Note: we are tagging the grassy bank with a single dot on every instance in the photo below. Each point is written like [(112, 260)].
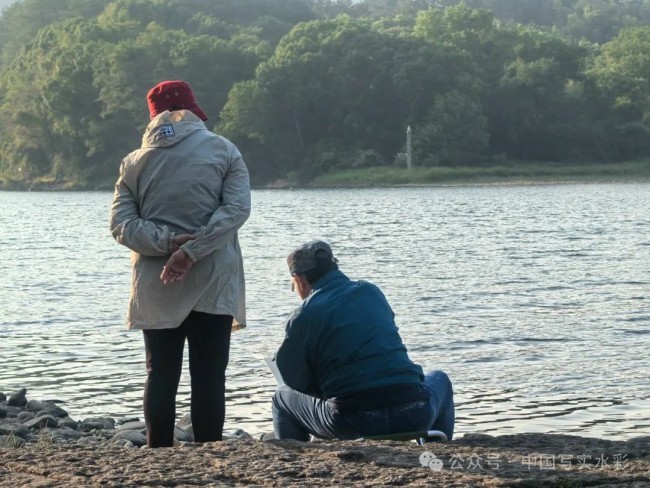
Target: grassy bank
[(505, 173), (49, 183)]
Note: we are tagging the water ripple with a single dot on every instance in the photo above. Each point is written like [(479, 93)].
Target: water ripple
[(533, 299)]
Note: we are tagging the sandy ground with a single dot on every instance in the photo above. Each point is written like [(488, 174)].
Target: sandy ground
[(529, 460)]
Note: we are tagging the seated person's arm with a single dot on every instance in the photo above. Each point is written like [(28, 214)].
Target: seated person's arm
[(293, 359)]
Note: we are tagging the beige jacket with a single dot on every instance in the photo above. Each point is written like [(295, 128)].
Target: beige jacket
[(184, 179)]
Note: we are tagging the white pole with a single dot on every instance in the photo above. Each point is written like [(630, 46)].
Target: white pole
[(408, 147)]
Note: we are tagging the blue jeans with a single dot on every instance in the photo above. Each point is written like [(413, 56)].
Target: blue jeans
[(297, 415)]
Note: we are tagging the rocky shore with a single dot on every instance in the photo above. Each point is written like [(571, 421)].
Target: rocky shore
[(41, 446), (25, 422)]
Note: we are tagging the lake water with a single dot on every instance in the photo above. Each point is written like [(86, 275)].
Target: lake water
[(534, 299)]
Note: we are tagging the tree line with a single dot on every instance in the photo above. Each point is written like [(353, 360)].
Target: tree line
[(306, 87)]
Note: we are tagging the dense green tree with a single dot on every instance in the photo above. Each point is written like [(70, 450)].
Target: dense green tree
[(49, 100), (593, 20), (81, 83), (474, 32), (21, 21), (453, 132), (310, 86), (533, 102), (532, 83), (340, 93), (538, 12), (326, 84), (622, 75)]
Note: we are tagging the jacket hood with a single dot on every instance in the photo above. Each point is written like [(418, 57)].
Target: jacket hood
[(169, 128)]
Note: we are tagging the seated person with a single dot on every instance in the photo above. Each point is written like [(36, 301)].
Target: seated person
[(346, 371)]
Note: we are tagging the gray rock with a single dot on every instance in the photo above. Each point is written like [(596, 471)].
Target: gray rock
[(8, 428), (88, 440), (54, 411), (31, 438), (246, 437), (90, 426), (237, 434), (93, 423), (3, 413), (125, 443), (68, 422), (131, 426), (12, 412), (268, 436), (41, 422), (37, 406), (104, 434), (64, 433), (126, 420), (642, 441), (135, 437), (3, 397), (18, 399), (183, 435), (185, 422), (25, 416), (11, 441)]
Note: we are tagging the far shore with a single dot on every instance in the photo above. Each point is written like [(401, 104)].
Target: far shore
[(62, 186), (391, 176)]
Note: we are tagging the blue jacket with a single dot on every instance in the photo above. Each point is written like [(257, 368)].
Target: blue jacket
[(342, 340)]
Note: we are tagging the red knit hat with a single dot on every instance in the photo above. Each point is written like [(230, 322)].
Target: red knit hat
[(173, 95)]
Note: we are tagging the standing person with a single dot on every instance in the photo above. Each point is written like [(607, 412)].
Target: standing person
[(346, 371), (178, 204)]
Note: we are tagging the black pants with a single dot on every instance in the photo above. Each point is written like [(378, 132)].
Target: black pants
[(208, 338)]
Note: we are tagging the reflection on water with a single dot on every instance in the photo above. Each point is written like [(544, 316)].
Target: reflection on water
[(533, 299)]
